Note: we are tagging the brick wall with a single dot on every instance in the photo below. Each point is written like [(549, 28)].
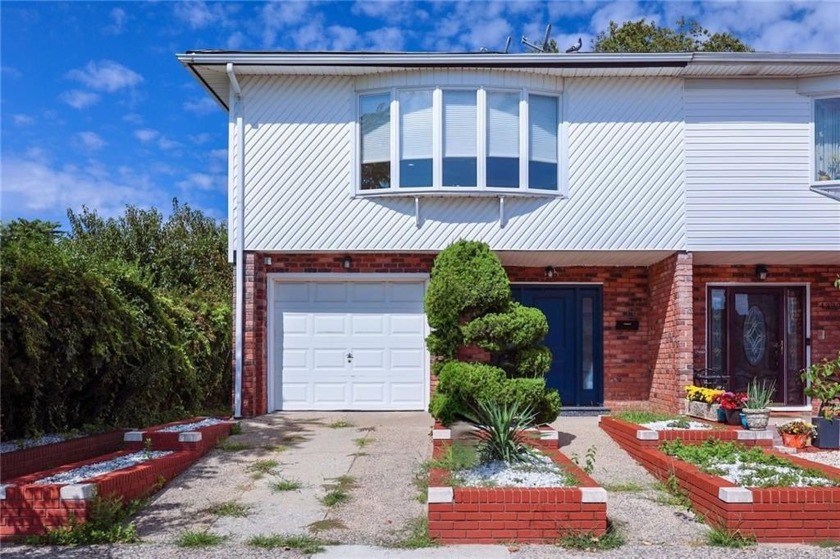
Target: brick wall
[(670, 330), (29, 460)]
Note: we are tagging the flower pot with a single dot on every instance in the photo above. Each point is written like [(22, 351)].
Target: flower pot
[(795, 440), (733, 417), (756, 419), (828, 433), (703, 410), (721, 415)]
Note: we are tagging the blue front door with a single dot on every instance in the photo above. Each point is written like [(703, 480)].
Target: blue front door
[(574, 337)]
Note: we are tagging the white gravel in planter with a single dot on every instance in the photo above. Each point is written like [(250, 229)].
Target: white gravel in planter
[(20, 444), (740, 474), (99, 468), (540, 472), (829, 457), (666, 426), (191, 426)]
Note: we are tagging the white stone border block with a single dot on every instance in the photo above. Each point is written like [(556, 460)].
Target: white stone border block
[(78, 492), (440, 495), (3, 490), (647, 435), (133, 437), (189, 437), (549, 435), (755, 435), (441, 434), (593, 495), (735, 495)]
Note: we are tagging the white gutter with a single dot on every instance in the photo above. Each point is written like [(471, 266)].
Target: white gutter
[(239, 250)]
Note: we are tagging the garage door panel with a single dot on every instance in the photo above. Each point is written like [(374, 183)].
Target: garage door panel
[(370, 324), (333, 360), (329, 292), (374, 293), (405, 324), (296, 359), (369, 392), (375, 358), (407, 358), (405, 392), (329, 324), (330, 392), (295, 393), (294, 323), (408, 292)]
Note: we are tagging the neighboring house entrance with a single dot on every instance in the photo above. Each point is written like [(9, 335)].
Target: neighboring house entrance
[(759, 333), (348, 344), (575, 338)]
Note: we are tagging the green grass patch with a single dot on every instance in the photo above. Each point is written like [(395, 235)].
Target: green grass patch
[(228, 445), (611, 539), (826, 544), (720, 537), (335, 497), (340, 424), (293, 438), (644, 416), (229, 508), (672, 494), (236, 429), (198, 539), (457, 456), (627, 487), (285, 485), (417, 535), (305, 544), (362, 442), (108, 522), (263, 467), (326, 524), (275, 447)]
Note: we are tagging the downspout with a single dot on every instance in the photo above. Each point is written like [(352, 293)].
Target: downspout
[(239, 250)]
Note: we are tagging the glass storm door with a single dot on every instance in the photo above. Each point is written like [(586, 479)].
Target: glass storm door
[(759, 333), (574, 338)]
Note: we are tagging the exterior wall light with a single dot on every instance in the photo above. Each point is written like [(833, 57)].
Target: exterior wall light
[(549, 272), (761, 272), (347, 262)]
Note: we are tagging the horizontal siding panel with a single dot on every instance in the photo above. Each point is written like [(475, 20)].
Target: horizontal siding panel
[(626, 173), (747, 159)]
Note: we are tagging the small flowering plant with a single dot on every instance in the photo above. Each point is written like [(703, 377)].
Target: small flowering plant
[(797, 427), (732, 400), (699, 394)]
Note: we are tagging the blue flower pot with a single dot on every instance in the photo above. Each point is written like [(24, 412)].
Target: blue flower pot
[(721, 415), (743, 420)]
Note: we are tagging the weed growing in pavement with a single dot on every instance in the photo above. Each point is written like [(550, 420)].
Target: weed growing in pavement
[(107, 523), (305, 544), (611, 539), (147, 448), (417, 535), (335, 497), (293, 438), (721, 537), (340, 424), (358, 454), (370, 429), (643, 416), (198, 539), (362, 442), (627, 487), (828, 543), (275, 447), (674, 494), (337, 493), (285, 485), (589, 465), (326, 524), (236, 429), (229, 508), (262, 467), (231, 446)]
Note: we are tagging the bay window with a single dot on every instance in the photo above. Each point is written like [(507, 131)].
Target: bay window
[(459, 139), (827, 139)]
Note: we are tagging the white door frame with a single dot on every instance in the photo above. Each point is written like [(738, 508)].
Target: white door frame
[(276, 278)]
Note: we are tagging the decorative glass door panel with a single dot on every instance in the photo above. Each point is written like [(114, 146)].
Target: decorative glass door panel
[(758, 333)]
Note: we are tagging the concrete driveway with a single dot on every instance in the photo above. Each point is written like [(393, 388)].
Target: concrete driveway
[(370, 457)]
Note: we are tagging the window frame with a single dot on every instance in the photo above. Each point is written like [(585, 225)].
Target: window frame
[(812, 141), (481, 188)]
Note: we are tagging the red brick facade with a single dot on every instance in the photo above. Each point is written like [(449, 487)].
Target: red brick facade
[(647, 366)]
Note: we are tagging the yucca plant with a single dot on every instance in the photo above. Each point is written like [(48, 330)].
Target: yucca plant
[(501, 428), (759, 395)]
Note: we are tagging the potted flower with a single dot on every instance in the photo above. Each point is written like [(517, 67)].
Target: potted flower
[(702, 403), (823, 383), (732, 403), (795, 433), (757, 406)]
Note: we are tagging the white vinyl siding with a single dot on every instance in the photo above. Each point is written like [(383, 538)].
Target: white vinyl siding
[(748, 161)]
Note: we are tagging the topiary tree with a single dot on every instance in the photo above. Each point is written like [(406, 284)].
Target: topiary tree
[(469, 303)]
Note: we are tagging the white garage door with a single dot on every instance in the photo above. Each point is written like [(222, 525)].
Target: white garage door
[(349, 345)]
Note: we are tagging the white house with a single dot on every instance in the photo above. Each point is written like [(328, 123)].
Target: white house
[(668, 212)]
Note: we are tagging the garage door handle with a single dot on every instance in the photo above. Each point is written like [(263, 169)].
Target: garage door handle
[(349, 357)]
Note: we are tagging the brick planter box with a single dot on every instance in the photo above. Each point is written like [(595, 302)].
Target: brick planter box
[(780, 515), (634, 438), (201, 440), (39, 458), (27, 508), (492, 515)]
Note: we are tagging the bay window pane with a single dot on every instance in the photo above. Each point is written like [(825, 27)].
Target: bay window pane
[(542, 139), (375, 121), (503, 139), (459, 138), (827, 139), (416, 138)]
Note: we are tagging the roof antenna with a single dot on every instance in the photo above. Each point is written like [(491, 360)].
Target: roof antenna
[(539, 48), (507, 44)]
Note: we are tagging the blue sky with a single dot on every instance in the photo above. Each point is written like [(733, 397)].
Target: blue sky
[(95, 110)]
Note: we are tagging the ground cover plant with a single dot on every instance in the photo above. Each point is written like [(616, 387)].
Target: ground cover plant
[(109, 521), (644, 416), (747, 467), (306, 544), (198, 539)]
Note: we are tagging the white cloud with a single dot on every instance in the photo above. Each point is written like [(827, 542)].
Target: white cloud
[(166, 143), (221, 153), (118, 19), (146, 134), (133, 118), (201, 106), (106, 75), (11, 71), (202, 138), (90, 140), (235, 41), (199, 14), (275, 16), (22, 119), (200, 181), (79, 99), (385, 39)]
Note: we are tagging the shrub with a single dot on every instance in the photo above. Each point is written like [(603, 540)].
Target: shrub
[(501, 428)]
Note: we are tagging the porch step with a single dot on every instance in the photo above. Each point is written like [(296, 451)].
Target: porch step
[(583, 411)]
